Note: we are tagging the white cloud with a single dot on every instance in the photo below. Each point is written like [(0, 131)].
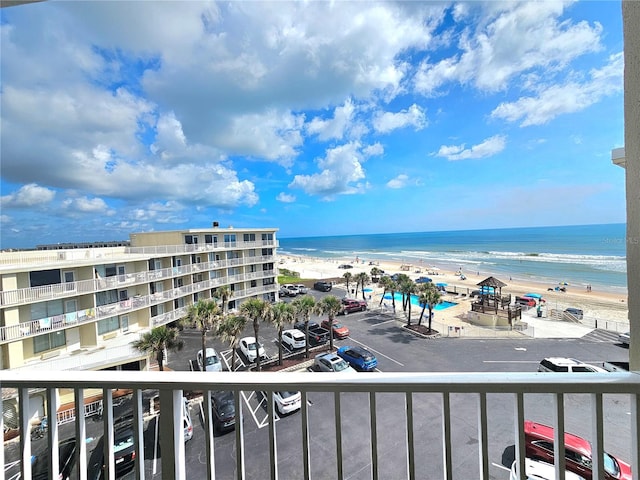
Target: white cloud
[(335, 127), (413, 116), (373, 150), (489, 147), (399, 182), (87, 205), (285, 198), (28, 196), (509, 39), (555, 100), (5, 219), (341, 173)]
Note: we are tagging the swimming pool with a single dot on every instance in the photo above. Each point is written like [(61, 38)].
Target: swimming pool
[(414, 301)]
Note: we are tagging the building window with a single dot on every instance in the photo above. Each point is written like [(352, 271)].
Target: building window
[(42, 343), (249, 237), (267, 251), (46, 309), (267, 237), (44, 277), (188, 239), (254, 283), (230, 238), (108, 325), (106, 298)]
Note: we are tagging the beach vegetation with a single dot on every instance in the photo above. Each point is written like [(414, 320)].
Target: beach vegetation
[(390, 286), (407, 287), (375, 274), (284, 279), (330, 306), (362, 280), (229, 330), (428, 297), (283, 314), (257, 310), (348, 277), (288, 273), (304, 306), (204, 315), (157, 341)]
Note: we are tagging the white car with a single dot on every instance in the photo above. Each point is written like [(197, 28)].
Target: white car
[(623, 338), (302, 288), (287, 402), (570, 365), (251, 349), (537, 470), (293, 339), (211, 362), (292, 290), (330, 362)]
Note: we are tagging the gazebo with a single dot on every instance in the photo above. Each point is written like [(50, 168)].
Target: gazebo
[(493, 302)]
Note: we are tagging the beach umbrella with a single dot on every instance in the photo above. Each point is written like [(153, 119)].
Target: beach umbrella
[(441, 284), (367, 290), (533, 295)]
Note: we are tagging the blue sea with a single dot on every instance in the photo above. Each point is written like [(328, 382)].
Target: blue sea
[(579, 255)]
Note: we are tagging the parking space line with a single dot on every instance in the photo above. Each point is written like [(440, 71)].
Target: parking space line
[(379, 353)]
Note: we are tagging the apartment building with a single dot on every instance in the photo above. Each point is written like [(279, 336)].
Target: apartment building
[(77, 308)]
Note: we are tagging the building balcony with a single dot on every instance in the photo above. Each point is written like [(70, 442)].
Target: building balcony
[(356, 425)]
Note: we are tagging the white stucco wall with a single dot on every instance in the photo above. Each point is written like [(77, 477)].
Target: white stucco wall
[(631, 21)]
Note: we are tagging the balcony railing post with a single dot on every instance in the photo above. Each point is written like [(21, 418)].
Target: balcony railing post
[(558, 436), (483, 447), (273, 450), (338, 422), (446, 435), (109, 435), (519, 433), (597, 437), (240, 472), (207, 405), (138, 430), (52, 432), (171, 438), (25, 432), (411, 463), (81, 430), (305, 435)]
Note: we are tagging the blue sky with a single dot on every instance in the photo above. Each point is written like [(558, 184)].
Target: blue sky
[(317, 118)]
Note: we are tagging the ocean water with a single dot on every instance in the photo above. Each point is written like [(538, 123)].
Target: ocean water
[(578, 255)]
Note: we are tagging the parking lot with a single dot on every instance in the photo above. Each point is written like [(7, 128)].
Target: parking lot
[(399, 351)]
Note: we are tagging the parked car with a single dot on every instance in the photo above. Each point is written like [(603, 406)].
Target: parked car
[(350, 305), (345, 266), (317, 334), (573, 313), (123, 450), (224, 410), (287, 401), (251, 349), (624, 338), (339, 331), (289, 290), (323, 286), (358, 357), (211, 361), (293, 339), (423, 280), (330, 362), (302, 288), (66, 455), (537, 470), (539, 446), (570, 365)]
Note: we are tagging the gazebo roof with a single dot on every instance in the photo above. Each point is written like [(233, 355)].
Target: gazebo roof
[(492, 282)]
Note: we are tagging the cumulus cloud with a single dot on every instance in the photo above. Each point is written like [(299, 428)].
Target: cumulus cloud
[(335, 127), (558, 99), (489, 147), (509, 39), (399, 182), (285, 198), (413, 116), (341, 172), (28, 196), (87, 205)]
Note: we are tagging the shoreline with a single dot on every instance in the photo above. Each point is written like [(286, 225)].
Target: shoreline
[(598, 303)]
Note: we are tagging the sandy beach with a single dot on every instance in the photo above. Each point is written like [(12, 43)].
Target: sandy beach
[(597, 305)]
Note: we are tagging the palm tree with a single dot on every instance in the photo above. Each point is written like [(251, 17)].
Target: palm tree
[(348, 276), (157, 341), (304, 306), (283, 314), (407, 287), (257, 310), (330, 306), (223, 293), (429, 297), (362, 279), (375, 274), (205, 314), (229, 330), (387, 285), (402, 280)]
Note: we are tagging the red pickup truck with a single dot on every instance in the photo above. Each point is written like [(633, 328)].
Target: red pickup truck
[(350, 305)]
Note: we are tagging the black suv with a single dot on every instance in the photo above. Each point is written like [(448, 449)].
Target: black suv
[(224, 411), (323, 286)]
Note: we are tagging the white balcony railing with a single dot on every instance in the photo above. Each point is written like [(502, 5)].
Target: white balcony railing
[(603, 392)]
